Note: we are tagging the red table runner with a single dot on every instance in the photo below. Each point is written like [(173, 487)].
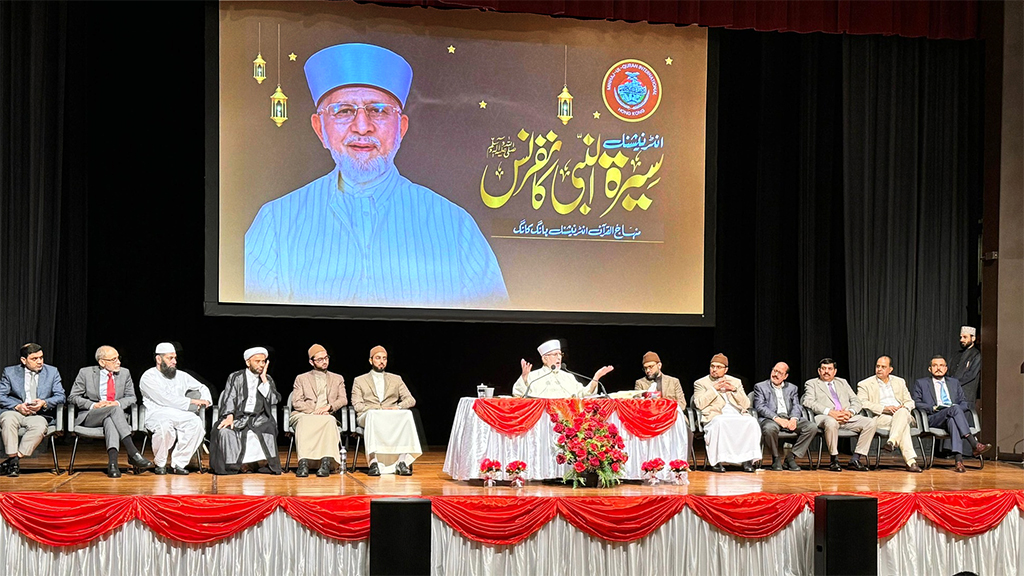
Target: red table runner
[(515, 416)]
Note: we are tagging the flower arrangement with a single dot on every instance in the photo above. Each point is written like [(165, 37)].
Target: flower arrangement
[(651, 469), (514, 472), (489, 470), (679, 469), (588, 444)]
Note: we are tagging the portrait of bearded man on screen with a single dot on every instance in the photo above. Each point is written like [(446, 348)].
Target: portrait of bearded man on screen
[(363, 234)]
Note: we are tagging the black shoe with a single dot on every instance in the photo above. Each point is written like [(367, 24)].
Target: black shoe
[(914, 468), (748, 466), (160, 470), (718, 468), (834, 466), (179, 471), (776, 464), (113, 471), (325, 468), (856, 465), (14, 468), (303, 470), (791, 464), (402, 469), (889, 446), (139, 463), (374, 470)]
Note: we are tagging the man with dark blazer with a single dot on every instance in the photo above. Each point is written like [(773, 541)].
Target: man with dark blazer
[(942, 399), (29, 394), (778, 408), (101, 394)]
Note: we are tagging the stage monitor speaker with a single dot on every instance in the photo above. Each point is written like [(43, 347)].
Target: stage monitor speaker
[(399, 536), (845, 535)]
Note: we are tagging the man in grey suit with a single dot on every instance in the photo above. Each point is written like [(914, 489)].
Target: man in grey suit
[(101, 394), (778, 408), (835, 406), (29, 393)]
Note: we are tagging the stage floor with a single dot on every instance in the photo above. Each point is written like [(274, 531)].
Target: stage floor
[(429, 480)]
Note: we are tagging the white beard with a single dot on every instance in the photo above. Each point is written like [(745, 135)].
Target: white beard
[(364, 171)]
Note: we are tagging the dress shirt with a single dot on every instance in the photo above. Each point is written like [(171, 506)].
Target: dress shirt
[(378, 384), (886, 395), (31, 385), (942, 396), (780, 402)]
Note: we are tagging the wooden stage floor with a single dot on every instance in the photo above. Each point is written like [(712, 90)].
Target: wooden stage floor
[(429, 480)]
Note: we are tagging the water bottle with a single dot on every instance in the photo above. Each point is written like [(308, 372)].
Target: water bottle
[(344, 457)]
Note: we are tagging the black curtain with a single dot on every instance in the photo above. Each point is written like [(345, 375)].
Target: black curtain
[(43, 180), (911, 140)]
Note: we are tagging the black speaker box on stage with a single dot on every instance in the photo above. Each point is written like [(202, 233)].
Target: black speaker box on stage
[(399, 536), (845, 535)]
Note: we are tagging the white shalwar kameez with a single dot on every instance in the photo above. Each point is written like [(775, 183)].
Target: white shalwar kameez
[(732, 437), (168, 416)]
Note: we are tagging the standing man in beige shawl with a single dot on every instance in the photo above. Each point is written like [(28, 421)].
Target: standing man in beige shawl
[(391, 432), (317, 398)]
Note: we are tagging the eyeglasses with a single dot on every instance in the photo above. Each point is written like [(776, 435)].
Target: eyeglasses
[(553, 354), (114, 359), (377, 112), (321, 359)]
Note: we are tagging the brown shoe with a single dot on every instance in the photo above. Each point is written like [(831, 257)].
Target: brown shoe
[(980, 448), (959, 468), (889, 447), (914, 468)]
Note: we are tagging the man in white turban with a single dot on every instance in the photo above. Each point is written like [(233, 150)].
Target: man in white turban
[(170, 412), (550, 380), (968, 364), (246, 435)]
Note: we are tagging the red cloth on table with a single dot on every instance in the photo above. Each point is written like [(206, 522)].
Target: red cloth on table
[(511, 416)]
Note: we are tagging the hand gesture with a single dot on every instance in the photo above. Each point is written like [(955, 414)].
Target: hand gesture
[(199, 402), (263, 373), (526, 366), (226, 422), (602, 371)]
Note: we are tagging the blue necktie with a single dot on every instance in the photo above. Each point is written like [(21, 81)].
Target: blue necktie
[(944, 400)]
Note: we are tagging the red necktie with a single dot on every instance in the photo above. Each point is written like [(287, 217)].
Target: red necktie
[(110, 385)]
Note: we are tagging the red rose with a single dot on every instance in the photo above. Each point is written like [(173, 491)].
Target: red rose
[(560, 458), (615, 466), (581, 453), (554, 418), (589, 434), (579, 467), (613, 429), (561, 439), (559, 427), (594, 461)]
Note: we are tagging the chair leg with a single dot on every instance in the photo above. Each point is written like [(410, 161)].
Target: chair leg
[(288, 461), (821, 442), (878, 450), (74, 450), (145, 438), (53, 450), (355, 455)]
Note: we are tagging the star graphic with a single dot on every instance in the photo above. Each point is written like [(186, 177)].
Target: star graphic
[(668, 60), (483, 104), (597, 114), (292, 57), (451, 49)]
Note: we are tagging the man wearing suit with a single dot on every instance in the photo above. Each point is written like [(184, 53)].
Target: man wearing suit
[(657, 381), (317, 399), (102, 394), (29, 395), (886, 396), (730, 434), (778, 408), (377, 390), (835, 406), (942, 399)]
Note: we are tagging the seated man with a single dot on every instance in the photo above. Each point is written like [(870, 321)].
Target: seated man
[(551, 381), (835, 406), (102, 394), (170, 413), (657, 381), (317, 399), (942, 399), (29, 394), (778, 408), (247, 431), (391, 434), (886, 396), (730, 434)]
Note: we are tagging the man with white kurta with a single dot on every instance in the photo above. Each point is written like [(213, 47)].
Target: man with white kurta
[(887, 397), (730, 433), (835, 406), (382, 402), (550, 381), (170, 414), (247, 431), (317, 398)]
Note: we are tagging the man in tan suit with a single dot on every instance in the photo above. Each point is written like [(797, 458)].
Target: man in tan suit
[(378, 390), (317, 398), (835, 406), (657, 381), (731, 434), (887, 397)]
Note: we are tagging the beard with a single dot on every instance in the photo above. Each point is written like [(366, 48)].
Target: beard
[(653, 377), (255, 370), (379, 370), (364, 171), (966, 345), (168, 371)]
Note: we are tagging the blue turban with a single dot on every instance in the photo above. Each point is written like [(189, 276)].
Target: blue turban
[(362, 64)]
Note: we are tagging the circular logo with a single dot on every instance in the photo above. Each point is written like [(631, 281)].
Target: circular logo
[(631, 90)]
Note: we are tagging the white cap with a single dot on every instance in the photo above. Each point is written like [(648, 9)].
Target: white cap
[(165, 348), (254, 351), (549, 346), (968, 330)]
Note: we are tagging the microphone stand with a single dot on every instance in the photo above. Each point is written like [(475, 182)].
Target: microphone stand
[(526, 394), (604, 392)]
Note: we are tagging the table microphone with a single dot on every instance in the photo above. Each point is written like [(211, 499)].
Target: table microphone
[(604, 392)]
